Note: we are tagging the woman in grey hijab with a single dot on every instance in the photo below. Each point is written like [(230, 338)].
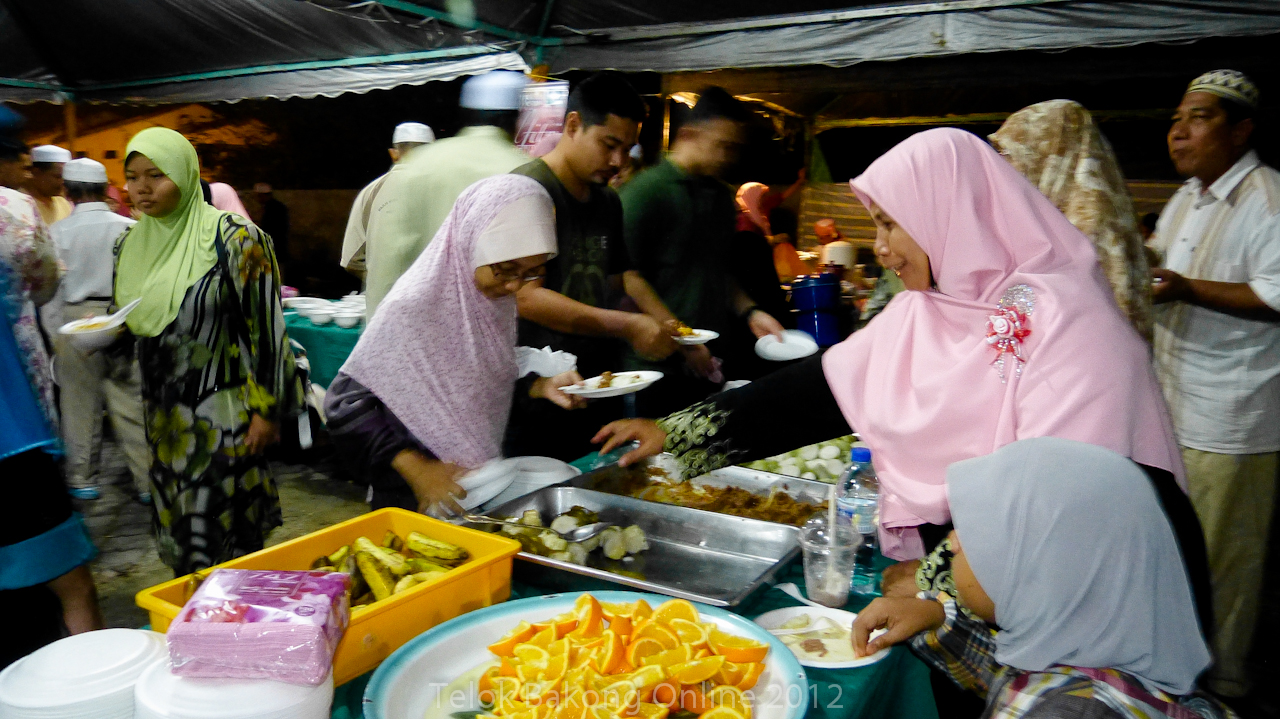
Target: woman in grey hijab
[(1074, 600)]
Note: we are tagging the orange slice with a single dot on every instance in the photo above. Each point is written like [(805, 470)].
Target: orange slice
[(675, 609), (562, 624), (667, 693), (752, 676), (590, 616), (646, 678), (658, 631), (507, 668), (689, 632), (693, 700), (670, 657), (652, 711), (643, 647), (570, 710), (486, 680), (739, 650), (532, 656), (732, 698), (556, 668), (621, 625), (698, 670), (610, 655), (521, 634), (546, 634), (621, 697), (724, 713), (559, 646)]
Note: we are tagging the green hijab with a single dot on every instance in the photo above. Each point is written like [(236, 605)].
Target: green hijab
[(162, 257)]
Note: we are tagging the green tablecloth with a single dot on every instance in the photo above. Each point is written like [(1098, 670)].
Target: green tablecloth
[(327, 345)]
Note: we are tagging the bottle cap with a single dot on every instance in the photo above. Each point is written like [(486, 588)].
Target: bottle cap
[(859, 454)]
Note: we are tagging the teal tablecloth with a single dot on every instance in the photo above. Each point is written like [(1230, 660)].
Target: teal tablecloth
[(896, 687), (327, 345)]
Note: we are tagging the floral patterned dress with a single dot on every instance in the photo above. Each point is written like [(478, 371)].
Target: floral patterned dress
[(224, 358)]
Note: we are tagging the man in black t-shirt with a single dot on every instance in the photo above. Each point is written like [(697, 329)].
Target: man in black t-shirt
[(572, 308)]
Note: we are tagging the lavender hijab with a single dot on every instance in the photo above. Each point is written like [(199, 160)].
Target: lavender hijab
[(1070, 542), (438, 352)]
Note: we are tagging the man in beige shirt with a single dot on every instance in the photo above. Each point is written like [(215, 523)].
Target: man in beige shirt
[(46, 182), (420, 191)]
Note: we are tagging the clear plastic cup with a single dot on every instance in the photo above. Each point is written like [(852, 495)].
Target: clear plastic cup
[(829, 561)]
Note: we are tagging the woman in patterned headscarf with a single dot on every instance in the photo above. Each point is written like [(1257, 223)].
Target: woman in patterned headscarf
[(1058, 147)]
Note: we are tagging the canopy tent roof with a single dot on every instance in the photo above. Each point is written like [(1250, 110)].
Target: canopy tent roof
[(157, 51)]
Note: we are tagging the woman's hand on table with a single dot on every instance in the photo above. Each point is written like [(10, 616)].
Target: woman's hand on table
[(899, 580), (645, 431), (433, 482), (548, 388), (262, 433), (900, 617)]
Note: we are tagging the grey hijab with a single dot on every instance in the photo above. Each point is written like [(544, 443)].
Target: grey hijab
[(1071, 544)]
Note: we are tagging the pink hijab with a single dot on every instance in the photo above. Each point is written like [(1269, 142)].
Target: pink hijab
[(439, 353), (919, 382), (751, 204), (226, 198)]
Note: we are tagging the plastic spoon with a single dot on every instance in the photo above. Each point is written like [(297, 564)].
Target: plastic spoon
[(794, 591)]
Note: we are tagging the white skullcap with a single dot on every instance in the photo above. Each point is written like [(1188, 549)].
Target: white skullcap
[(496, 90), (50, 153), (636, 153), (84, 170), (412, 132)]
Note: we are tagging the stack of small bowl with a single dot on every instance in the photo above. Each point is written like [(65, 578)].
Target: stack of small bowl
[(84, 676), (349, 311)]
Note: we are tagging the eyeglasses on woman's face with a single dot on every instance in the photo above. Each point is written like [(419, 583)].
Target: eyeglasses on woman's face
[(510, 272)]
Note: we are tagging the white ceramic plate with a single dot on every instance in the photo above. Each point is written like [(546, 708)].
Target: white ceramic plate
[(413, 682), (775, 619), (795, 344), (623, 383), (699, 337)]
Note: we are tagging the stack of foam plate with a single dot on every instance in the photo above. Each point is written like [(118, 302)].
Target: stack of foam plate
[(85, 676), (534, 474), (160, 694)]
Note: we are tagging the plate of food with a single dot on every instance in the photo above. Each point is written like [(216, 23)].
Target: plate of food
[(819, 637), (685, 335), (613, 384), (95, 333), (615, 654)]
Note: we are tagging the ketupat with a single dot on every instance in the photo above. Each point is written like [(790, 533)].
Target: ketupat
[(434, 549)]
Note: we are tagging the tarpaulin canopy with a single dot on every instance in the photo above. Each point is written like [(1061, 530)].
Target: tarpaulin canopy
[(153, 51)]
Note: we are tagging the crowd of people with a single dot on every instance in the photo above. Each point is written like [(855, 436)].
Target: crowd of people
[(1071, 412)]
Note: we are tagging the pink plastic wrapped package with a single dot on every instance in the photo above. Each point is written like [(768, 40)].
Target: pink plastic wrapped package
[(251, 624)]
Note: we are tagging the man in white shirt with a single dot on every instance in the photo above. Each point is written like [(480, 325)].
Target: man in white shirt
[(45, 184), (406, 136), (1217, 345), (90, 383)]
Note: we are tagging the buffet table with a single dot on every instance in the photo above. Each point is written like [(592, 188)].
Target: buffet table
[(327, 345), (894, 688)]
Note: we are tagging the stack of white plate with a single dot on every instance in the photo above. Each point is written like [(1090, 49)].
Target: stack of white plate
[(85, 676), (534, 474), (160, 694)]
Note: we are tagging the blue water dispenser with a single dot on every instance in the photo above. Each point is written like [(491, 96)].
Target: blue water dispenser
[(817, 301)]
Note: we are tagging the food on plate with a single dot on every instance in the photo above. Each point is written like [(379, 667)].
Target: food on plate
[(381, 571), (653, 484), (544, 540), (826, 641), (89, 324), (607, 661), (679, 329), (824, 461), (606, 380)]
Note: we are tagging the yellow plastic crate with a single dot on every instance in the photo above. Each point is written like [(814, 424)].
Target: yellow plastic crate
[(382, 627)]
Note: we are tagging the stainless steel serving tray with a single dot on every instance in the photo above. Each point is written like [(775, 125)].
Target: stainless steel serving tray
[(611, 477), (706, 557)]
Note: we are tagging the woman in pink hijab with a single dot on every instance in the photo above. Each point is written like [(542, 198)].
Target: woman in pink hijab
[(1007, 331), (425, 394)]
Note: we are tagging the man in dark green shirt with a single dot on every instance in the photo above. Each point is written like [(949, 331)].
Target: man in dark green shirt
[(679, 218), (571, 309)]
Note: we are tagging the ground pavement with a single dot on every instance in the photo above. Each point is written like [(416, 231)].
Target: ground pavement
[(121, 527)]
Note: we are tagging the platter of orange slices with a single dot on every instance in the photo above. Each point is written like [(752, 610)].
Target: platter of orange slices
[(603, 655)]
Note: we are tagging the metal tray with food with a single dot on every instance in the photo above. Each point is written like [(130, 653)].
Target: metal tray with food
[(735, 491), (712, 558)]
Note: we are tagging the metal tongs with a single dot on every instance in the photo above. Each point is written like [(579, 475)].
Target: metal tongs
[(577, 534)]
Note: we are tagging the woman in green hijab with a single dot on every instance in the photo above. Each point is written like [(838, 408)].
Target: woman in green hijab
[(218, 374)]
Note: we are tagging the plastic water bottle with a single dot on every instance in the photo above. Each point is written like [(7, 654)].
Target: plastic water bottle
[(856, 503)]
